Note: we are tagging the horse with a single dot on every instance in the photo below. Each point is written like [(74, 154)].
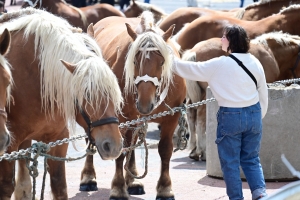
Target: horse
[(252, 12), (78, 17), (212, 26), (135, 9), (140, 54), (278, 52), (60, 78), (5, 88)]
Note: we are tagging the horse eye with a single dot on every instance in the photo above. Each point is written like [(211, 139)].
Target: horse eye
[(162, 63)]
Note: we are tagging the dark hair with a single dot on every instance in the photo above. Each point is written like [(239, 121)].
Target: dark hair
[(238, 39)]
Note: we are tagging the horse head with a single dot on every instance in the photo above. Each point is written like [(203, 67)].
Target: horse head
[(148, 64), (5, 83)]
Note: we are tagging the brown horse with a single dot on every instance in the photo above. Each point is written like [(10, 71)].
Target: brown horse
[(139, 50), (212, 26), (78, 17), (5, 88), (252, 12), (278, 53), (137, 8), (49, 95)]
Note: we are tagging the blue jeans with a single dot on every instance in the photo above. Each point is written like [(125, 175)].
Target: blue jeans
[(239, 135)]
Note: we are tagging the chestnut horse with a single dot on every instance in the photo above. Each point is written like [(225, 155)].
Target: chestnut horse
[(252, 12), (78, 17), (278, 53), (5, 88), (212, 26), (49, 95), (140, 54), (137, 8)]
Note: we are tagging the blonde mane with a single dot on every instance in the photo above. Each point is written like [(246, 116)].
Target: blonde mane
[(7, 67), (281, 38), (149, 38), (150, 7), (55, 39), (288, 9)]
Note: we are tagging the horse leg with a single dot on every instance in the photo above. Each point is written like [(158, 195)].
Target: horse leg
[(192, 142), (88, 175), (7, 178), (135, 187), (165, 150), (118, 186), (57, 169), (201, 132), (23, 182)]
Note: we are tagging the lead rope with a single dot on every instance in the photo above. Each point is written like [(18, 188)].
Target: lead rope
[(141, 132)]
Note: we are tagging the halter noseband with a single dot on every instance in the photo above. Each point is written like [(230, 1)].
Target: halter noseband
[(100, 122), (34, 4)]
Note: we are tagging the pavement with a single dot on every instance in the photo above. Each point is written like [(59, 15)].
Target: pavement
[(189, 177)]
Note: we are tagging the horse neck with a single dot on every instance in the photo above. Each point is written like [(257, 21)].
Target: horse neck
[(259, 11), (279, 22), (286, 57)]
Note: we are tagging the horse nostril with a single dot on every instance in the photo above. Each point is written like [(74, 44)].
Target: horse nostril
[(152, 107), (106, 146)]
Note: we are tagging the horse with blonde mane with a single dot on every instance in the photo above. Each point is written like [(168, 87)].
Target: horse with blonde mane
[(135, 9), (252, 12), (5, 88), (78, 17), (141, 54), (60, 78), (208, 27), (279, 54)]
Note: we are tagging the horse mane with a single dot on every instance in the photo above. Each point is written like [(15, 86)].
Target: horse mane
[(290, 8), (149, 7), (7, 67), (279, 37), (149, 37), (92, 80)]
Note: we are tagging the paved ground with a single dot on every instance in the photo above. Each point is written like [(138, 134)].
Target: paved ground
[(189, 178)]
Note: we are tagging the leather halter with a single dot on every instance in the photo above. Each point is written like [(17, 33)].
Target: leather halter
[(296, 64), (100, 122), (3, 113)]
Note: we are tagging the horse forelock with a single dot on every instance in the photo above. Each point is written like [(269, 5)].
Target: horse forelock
[(290, 8), (148, 39), (7, 67), (93, 79), (279, 37)]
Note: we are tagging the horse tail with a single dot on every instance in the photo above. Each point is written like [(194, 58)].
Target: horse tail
[(193, 88)]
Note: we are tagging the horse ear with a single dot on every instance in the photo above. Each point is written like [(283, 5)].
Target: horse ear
[(69, 66), (90, 30), (133, 2), (131, 32), (4, 42), (168, 33)]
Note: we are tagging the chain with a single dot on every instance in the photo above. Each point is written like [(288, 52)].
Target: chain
[(182, 131), (15, 155)]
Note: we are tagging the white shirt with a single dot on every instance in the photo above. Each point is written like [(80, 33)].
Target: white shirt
[(229, 83)]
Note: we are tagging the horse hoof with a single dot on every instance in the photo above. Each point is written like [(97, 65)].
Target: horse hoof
[(88, 187), (136, 190), (194, 157), (165, 198), (118, 198)]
